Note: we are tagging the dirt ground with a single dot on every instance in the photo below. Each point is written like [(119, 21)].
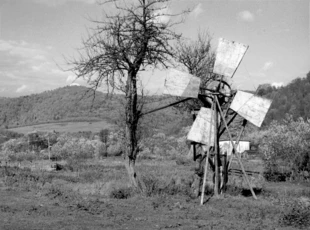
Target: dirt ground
[(39, 205)]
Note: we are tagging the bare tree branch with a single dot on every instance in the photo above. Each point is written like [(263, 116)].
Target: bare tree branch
[(121, 45)]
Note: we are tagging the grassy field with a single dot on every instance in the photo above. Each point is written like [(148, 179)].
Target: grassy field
[(70, 127), (94, 194)]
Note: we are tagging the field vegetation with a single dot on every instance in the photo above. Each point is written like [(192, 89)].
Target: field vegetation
[(63, 151), (85, 184)]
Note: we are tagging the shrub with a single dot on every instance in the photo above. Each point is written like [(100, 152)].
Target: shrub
[(104, 135), (121, 193), (73, 147), (101, 151), (286, 144), (152, 186), (115, 149), (297, 216), (15, 145)]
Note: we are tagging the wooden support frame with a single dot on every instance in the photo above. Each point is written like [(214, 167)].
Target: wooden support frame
[(244, 123), (164, 107), (207, 160), (234, 147)]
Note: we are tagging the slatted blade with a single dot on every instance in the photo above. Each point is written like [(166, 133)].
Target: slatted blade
[(251, 107), (181, 84), (228, 57)]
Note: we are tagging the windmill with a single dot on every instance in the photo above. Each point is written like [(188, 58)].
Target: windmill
[(219, 101)]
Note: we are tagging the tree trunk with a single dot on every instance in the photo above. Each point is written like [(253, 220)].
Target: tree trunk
[(130, 166), (132, 117)]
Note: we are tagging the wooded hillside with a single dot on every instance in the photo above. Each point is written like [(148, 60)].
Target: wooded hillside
[(293, 99), (73, 103)]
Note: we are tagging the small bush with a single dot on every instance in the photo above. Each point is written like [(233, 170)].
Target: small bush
[(275, 176), (101, 151), (121, 193), (115, 149), (152, 186), (297, 216)]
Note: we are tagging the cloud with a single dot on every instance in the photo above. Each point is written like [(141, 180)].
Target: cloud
[(71, 78), (268, 65), (21, 89), (277, 84), (246, 16), (74, 84), (197, 10), (29, 64)]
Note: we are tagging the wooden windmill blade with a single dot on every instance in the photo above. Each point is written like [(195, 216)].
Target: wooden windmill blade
[(181, 84), (251, 107), (228, 57), (202, 127)]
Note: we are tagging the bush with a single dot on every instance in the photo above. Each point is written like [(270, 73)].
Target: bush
[(286, 144), (15, 145), (121, 193), (115, 149), (73, 147), (152, 186), (101, 151), (297, 216)]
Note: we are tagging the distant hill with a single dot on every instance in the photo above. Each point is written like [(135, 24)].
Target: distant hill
[(71, 102), (293, 99), (75, 103)]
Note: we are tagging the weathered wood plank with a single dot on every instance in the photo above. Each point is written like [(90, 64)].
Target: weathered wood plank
[(200, 129), (181, 84), (228, 56), (251, 107)]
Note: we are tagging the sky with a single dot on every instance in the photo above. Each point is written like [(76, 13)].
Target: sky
[(38, 36)]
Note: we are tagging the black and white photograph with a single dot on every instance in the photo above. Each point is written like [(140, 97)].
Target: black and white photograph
[(154, 114)]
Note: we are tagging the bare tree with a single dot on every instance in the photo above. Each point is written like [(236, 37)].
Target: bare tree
[(123, 44), (197, 57)]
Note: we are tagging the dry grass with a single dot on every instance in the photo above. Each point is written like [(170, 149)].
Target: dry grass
[(167, 192)]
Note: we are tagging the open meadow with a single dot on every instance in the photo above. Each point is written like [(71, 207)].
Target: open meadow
[(65, 126), (95, 194), (80, 182)]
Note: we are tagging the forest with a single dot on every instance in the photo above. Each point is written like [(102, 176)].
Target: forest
[(293, 99)]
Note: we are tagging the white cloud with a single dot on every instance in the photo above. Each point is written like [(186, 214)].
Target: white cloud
[(246, 16), (29, 64), (197, 10), (74, 84), (277, 84), (21, 89), (71, 78), (268, 65)]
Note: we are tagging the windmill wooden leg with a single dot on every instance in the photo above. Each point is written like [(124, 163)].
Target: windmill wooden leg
[(217, 179), (237, 142), (234, 147), (208, 153), (194, 151), (205, 177), (225, 172)]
